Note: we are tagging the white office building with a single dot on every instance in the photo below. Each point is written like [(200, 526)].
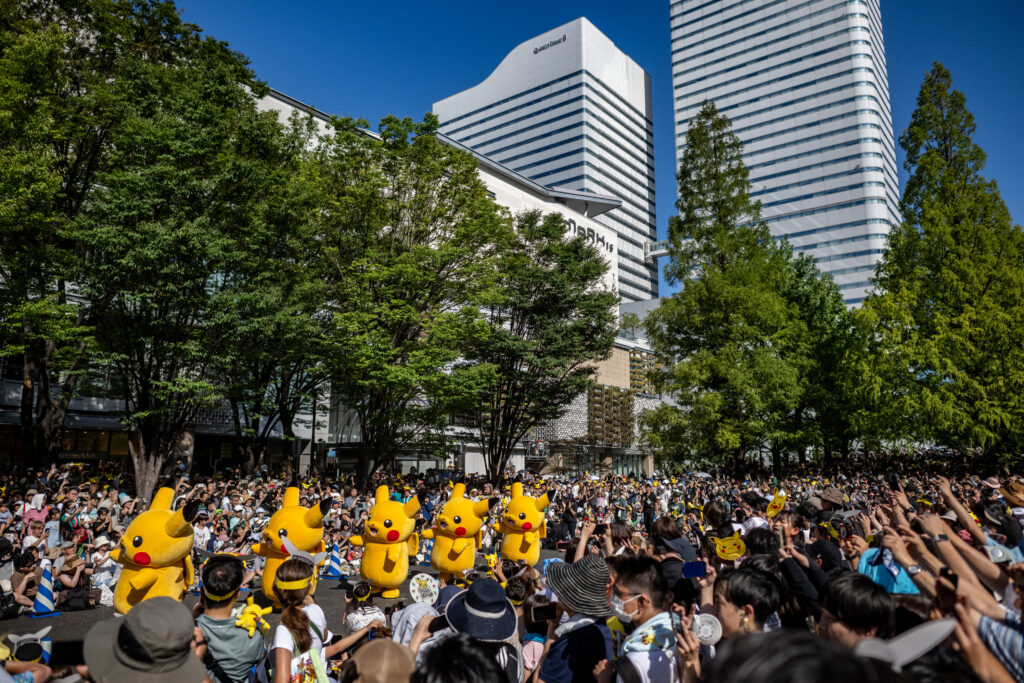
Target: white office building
[(572, 112), (804, 83)]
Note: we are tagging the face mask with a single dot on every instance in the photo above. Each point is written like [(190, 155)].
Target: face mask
[(618, 606)]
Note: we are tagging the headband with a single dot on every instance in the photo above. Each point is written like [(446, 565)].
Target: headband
[(218, 598), (312, 560), (293, 585)]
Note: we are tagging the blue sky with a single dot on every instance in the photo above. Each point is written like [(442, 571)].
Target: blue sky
[(367, 60)]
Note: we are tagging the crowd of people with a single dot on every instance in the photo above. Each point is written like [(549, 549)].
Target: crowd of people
[(876, 567)]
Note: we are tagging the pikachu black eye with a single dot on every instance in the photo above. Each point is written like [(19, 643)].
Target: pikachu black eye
[(387, 523), (282, 532), (137, 541), (522, 515), (458, 519)]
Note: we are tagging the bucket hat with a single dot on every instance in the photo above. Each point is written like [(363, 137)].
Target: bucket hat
[(380, 661), (581, 585), (151, 644), (482, 611)]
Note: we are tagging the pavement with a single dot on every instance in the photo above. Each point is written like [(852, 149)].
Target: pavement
[(74, 625)]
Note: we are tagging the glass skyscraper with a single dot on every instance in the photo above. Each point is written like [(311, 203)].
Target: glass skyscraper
[(804, 83), (570, 110)]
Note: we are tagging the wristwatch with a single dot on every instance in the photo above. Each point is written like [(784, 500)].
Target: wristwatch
[(941, 537), (914, 569)]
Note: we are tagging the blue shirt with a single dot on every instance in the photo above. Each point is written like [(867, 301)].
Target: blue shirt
[(574, 655), (880, 574)]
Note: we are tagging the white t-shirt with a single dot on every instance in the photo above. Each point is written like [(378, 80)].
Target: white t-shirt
[(103, 572), (283, 637)]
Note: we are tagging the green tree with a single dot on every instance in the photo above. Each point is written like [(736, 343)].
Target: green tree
[(166, 220), (551, 320), (270, 333), (947, 353), (58, 100), (728, 340), (409, 241), (831, 345)]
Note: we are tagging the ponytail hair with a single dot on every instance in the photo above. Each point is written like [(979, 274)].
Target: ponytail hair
[(292, 599)]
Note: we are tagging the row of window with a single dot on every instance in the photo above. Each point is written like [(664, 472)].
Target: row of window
[(852, 254), (721, 22), (643, 228), (844, 240), (823, 193), (812, 69), (762, 44), (824, 209), (592, 142), (683, 123), (575, 87), (839, 226), (740, 30), (816, 123), (581, 72), (771, 55), (852, 269), (811, 138), (854, 285), (617, 192), (811, 56), (830, 162), (819, 179), (646, 150), (793, 88)]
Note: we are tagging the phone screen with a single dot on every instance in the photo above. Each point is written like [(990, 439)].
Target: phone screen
[(544, 612)]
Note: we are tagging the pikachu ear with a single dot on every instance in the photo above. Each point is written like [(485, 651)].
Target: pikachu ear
[(459, 491), (381, 495), (517, 489), (291, 496), (412, 506), (180, 523), (163, 499), (481, 507), (314, 516), (541, 502)]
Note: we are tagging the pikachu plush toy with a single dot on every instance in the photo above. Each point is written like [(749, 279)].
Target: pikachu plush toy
[(456, 533), (155, 551), (522, 526), (388, 540), (303, 526)]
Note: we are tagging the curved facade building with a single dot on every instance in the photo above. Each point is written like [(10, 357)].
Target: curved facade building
[(804, 83), (570, 110)]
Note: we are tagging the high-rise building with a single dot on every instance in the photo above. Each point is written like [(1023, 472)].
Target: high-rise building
[(570, 110), (804, 83)]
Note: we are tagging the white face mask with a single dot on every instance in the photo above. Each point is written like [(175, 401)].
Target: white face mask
[(618, 606)]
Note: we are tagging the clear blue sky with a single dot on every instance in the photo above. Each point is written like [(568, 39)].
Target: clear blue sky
[(367, 60)]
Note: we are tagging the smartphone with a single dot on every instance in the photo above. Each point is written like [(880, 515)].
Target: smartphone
[(893, 480), (438, 624), (694, 570), (544, 612), (600, 528), (67, 653), (782, 536)]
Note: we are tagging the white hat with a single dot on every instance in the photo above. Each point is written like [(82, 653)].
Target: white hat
[(101, 540)]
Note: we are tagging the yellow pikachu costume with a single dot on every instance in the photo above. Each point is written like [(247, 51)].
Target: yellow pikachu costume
[(389, 540), (456, 533), (303, 526), (156, 553), (522, 526)]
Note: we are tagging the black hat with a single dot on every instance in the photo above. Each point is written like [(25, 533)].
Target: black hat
[(581, 585), (483, 612)]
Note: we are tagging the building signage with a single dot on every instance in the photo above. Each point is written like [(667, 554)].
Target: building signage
[(589, 234), (550, 43)]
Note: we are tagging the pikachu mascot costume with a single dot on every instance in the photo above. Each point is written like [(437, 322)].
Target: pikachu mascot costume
[(155, 551), (522, 526), (388, 540), (456, 533), (302, 526)]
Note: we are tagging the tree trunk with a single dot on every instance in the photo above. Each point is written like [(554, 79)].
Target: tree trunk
[(776, 460), (27, 414), (147, 468)]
